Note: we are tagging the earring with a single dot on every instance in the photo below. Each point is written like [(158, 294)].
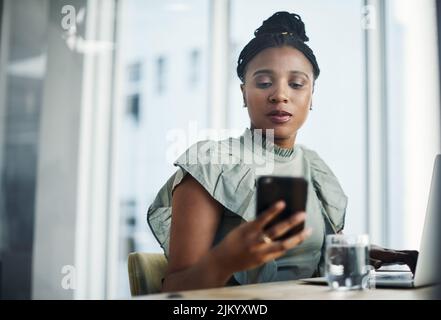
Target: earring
[(310, 108), (244, 105)]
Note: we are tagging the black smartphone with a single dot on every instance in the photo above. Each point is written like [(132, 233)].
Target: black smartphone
[(292, 190)]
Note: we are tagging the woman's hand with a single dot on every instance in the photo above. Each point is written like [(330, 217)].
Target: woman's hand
[(249, 246), (380, 256)]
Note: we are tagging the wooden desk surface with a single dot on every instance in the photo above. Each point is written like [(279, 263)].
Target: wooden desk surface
[(295, 290)]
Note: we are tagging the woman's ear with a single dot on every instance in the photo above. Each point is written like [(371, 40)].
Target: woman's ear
[(242, 88)]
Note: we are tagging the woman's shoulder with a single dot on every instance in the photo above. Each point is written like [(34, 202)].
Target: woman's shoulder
[(212, 152), (218, 167)]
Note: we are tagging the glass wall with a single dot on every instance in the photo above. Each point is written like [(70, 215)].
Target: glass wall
[(23, 66), (163, 58), (413, 114), (93, 116)]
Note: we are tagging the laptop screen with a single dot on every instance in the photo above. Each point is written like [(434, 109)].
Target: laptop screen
[(427, 266)]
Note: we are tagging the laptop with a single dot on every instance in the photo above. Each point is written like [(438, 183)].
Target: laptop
[(426, 272)]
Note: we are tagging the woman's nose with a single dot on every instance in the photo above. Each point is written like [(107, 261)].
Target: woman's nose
[(279, 95)]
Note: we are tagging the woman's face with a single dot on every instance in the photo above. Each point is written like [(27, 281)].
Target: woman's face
[(278, 92)]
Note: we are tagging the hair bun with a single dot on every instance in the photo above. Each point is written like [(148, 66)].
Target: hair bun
[(282, 22)]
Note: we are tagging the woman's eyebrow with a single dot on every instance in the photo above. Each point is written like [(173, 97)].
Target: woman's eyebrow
[(300, 72), (269, 71), (263, 71)]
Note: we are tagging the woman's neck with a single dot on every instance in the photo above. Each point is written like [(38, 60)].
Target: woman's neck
[(285, 143)]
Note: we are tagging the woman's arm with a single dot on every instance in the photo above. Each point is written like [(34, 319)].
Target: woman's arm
[(195, 264), (195, 219)]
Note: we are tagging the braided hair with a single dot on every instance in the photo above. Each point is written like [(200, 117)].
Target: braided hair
[(281, 29)]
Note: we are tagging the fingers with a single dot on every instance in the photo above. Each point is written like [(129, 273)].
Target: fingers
[(281, 246), (296, 239), (380, 256), (264, 244), (283, 227), (269, 214), (412, 256), (375, 263), (387, 256)]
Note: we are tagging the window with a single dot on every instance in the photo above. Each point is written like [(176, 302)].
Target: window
[(171, 39), (92, 118), (412, 118), (133, 107), (23, 54), (195, 68), (338, 100), (161, 79), (134, 72)]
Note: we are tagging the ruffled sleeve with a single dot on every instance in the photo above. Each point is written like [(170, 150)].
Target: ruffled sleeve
[(159, 215), (328, 190), (223, 175)]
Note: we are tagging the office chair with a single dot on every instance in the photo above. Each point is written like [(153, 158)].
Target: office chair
[(146, 271)]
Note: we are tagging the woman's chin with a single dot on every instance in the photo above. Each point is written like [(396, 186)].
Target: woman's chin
[(280, 132)]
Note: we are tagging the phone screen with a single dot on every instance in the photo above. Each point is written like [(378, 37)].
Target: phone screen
[(292, 190)]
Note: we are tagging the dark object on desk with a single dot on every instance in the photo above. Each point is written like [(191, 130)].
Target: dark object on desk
[(293, 191)]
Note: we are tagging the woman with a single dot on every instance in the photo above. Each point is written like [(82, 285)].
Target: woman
[(204, 217)]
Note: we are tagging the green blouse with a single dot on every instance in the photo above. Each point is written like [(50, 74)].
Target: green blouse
[(228, 170)]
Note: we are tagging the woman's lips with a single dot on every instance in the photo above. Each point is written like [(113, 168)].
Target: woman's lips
[(279, 118)]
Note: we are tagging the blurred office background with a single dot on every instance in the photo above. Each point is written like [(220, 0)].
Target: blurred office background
[(94, 93)]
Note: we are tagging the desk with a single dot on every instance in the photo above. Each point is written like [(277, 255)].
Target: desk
[(295, 290)]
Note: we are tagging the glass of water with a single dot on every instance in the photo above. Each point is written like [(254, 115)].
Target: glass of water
[(347, 262)]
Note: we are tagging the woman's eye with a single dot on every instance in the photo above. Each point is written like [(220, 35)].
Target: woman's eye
[(296, 85), (263, 84)]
